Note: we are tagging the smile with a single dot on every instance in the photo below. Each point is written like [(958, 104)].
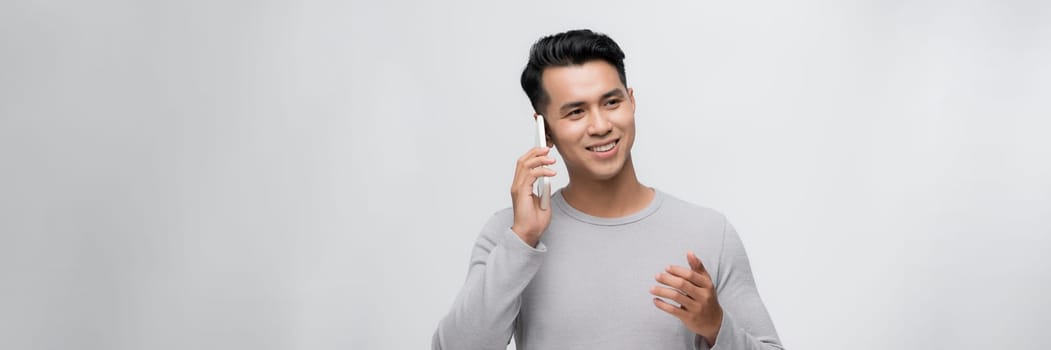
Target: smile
[(603, 148)]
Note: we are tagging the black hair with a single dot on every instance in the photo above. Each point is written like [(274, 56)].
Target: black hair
[(574, 47)]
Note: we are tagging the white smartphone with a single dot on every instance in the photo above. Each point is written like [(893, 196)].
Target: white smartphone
[(543, 183)]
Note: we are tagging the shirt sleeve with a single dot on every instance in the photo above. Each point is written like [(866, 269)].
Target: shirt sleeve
[(746, 323), (484, 312)]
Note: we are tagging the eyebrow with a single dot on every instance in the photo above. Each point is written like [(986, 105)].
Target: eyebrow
[(616, 92)]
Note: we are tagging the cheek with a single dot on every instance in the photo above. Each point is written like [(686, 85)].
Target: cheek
[(566, 134), (626, 121)]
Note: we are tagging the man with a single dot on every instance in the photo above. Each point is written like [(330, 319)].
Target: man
[(602, 268)]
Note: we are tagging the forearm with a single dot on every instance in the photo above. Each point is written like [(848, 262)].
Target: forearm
[(482, 317), (733, 335), (746, 323)]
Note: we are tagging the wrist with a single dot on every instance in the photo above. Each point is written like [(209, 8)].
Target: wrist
[(531, 240), (713, 334)]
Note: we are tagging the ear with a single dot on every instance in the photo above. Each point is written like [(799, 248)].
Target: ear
[(631, 96), (547, 130)]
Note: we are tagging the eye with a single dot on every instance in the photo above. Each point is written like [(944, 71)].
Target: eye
[(613, 102), (575, 112)]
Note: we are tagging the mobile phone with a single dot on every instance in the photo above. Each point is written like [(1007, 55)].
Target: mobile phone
[(543, 183)]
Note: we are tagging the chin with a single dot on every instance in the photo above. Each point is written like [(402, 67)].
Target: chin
[(606, 172)]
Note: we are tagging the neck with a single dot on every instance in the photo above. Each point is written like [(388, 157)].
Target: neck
[(618, 196)]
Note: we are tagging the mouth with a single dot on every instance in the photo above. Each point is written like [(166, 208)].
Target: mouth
[(603, 147)]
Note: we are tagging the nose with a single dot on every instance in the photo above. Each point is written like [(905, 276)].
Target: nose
[(599, 124)]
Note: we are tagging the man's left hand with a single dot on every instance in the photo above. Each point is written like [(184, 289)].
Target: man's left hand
[(692, 288)]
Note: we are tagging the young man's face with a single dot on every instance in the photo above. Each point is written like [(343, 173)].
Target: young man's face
[(590, 117)]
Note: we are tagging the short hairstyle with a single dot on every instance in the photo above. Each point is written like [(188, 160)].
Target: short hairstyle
[(574, 47)]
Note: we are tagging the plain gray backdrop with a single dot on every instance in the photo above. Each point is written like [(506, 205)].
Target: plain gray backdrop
[(313, 174)]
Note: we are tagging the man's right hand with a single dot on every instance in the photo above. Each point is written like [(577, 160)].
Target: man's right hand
[(530, 220)]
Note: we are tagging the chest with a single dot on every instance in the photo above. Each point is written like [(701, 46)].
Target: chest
[(593, 287)]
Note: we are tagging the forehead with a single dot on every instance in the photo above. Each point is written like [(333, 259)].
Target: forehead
[(582, 82)]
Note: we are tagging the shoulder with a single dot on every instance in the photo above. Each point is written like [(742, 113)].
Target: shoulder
[(682, 210)]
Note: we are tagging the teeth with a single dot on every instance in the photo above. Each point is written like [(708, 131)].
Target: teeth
[(603, 148)]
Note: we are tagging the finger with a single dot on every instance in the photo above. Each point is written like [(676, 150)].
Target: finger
[(677, 296), (544, 214), (695, 263), (524, 184), (533, 152), (689, 275), (537, 172), (537, 161), (669, 308), (523, 168), (531, 159), (691, 290)]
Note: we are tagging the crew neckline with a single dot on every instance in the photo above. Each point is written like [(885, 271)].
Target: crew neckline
[(560, 202)]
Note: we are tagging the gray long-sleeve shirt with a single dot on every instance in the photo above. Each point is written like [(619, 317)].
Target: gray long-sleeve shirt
[(586, 284)]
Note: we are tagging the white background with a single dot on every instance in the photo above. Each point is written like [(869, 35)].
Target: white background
[(313, 174)]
